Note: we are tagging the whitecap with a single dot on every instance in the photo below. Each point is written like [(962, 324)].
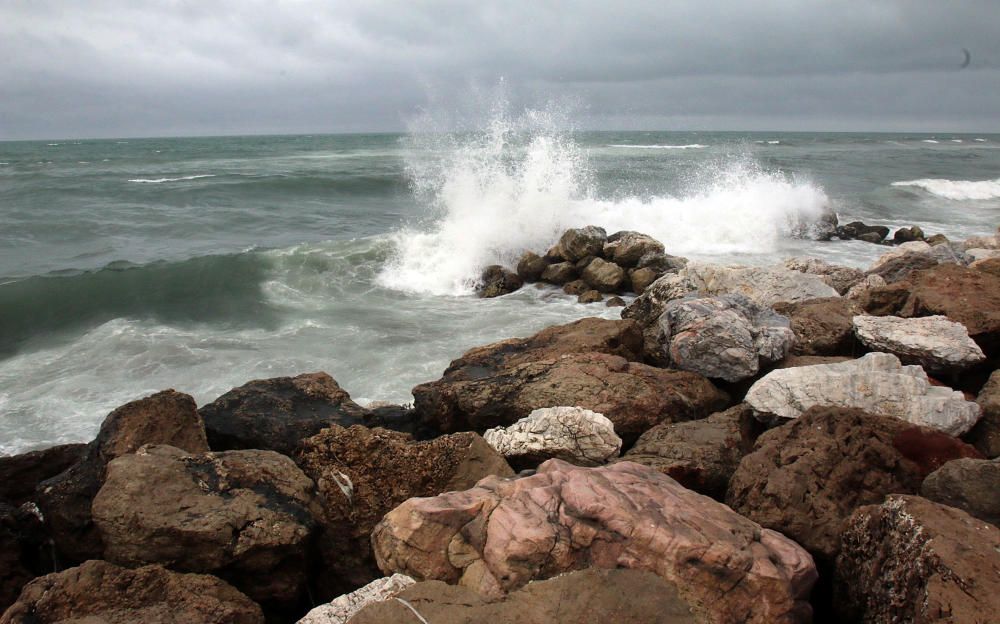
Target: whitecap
[(161, 180), (665, 147), (956, 189), (773, 142), (929, 141), (956, 140), (979, 140)]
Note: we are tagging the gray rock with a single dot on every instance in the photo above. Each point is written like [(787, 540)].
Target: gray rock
[(727, 337), (604, 276), (661, 262), (341, 609), (933, 342), (900, 251), (579, 436), (972, 485), (841, 278), (626, 248), (578, 243), (876, 383), (985, 436)]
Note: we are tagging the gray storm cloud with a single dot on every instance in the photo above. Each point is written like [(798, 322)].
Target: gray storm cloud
[(116, 68)]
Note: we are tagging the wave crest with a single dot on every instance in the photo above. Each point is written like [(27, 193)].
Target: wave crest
[(956, 189), (162, 180)]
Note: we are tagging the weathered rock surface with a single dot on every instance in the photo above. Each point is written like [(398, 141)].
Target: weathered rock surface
[(166, 417), (530, 266), (701, 455), (343, 608), (642, 278), (897, 267), (559, 273), (500, 535), (805, 478), (633, 396), (862, 288), (908, 234), (578, 243), (912, 560), (496, 281), (857, 229), (840, 278), (726, 337), (933, 342), (573, 434), (361, 474), (985, 436), (972, 485), (590, 596), (876, 383), (915, 247), (275, 414), (590, 296), (821, 326), (661, 263), (576, 287), (626, 248), (604, 276), (245, 515), (21, 474), (99, 592)]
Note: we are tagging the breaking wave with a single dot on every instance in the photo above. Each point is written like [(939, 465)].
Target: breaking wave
[(956, 189), (180, 179)]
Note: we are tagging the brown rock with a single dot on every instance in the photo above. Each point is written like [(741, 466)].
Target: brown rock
[(822, 326), (701, 455), (364, 473), (912, 560), (900, 267), (24, 551), (245, 515), (167, 417), (937, 239), (972, 485), (985, 435), (576, 287), (642, 278), (102, 593), (604, 276), (805, 478), (501, 534), (908, 234), (531, 266), (590, 296), (559, 273), (626, 248), (496, 281), (21, 474), (633, 396), (578, 243), (590, 596), (615, 302), (275, 414)]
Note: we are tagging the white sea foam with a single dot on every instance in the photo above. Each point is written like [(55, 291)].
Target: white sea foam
[(957, 189), (979, 140), (161, 180), (664, 147), (929, 141), (956, 140), (505, 191)]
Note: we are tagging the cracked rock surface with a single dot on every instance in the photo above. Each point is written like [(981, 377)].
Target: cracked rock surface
[(933, 342), (501, 534), (573, 434)]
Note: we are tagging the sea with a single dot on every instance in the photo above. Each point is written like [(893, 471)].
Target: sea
[(134, 265)]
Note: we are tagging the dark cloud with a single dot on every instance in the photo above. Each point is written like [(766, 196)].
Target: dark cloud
[(117, 68)]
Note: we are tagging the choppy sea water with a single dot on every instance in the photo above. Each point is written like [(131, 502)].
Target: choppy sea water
[(131, 266)]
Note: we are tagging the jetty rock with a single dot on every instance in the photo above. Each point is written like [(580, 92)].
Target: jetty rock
[(985, 436), (340, 610), (934, 342), (573, 434), (972, 485)]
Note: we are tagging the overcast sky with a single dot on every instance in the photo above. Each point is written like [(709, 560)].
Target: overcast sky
[(115, 68)]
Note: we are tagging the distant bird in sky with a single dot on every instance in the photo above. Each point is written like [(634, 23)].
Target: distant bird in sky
[(968, 58)]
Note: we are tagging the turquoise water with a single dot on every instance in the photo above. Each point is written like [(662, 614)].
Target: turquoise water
[(130, 266)]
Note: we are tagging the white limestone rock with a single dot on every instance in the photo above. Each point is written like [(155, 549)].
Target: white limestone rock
[(934, 342), (573, 434), (343, 608), (877, 383)]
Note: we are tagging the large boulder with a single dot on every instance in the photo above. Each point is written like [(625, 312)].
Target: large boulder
[(641, 279), (701, 455), (876, 383), (972, 485), (822, 326), (590, 596), (246, 516), (166, 417), (805, 478), (912, 560), (604, 276), (895, 267), (917, 247), (497, 280), (362, 474), (559, 273), (573, 434), (985, 436), (578, 243), (633, 396), (275, 414), (500, 535), (530, 266), (626, 248), (21, 474), (840, 278), (342, 608), (862, 231), (99, 592), (933, 342), (726, 337)]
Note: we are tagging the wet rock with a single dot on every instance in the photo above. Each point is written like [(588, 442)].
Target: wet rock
[(876, 383), (578, 243), (700, 454), (661, 263), (343, 608), (590, 596), (821, 326), (857, 229), (361, 474), (912, 560), (933, 342), (985, 436), (582, 263), (590, 296), (275, 414), (604, 276), (246, 515), (936, 239), (573, 434), (500, 535), (972, 485), (908, 234), (727, 337), (805, 478), (642, 278), (166, 417), (615, 302), (21, 474), (559, 273), (496, 281), (100, 592), (576, 287), (530, 266), (625, 248), (840, 278)]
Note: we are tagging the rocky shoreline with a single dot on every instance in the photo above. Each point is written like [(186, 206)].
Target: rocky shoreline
[(797, 443)]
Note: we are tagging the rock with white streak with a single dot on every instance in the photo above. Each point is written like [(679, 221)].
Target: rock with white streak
[(934, 342), (579, 436), (877, 383), (343, 608)]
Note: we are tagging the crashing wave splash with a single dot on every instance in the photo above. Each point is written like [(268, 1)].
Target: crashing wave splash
[(956, 189)]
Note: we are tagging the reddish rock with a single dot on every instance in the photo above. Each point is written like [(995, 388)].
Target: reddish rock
[(899, 267), (822, 326), (102, 593), (912, 560), (500, 535), (21, 474)]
